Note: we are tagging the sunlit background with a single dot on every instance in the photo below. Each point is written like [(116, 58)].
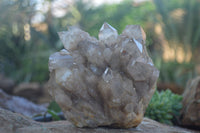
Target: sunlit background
[(28, 36), (28, 33)]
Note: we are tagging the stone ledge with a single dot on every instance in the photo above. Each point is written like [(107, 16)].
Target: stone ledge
[(16, 123)]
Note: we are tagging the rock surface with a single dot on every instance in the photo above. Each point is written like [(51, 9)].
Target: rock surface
[(35, 92), (31, 91), (20, 105), (6, 84), (105, 82), (191, 104), (16, 123), (171, 86)]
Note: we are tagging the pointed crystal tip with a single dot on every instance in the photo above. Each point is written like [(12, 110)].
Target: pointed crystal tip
[(107, 75), (107, 32), (107, 26), (138, 44), (135, 31)]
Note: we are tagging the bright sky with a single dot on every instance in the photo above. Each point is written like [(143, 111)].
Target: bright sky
[(99, 2), (59, 7)]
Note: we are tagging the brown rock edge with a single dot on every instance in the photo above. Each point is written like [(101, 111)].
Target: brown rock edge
[(16, 123), (191, 104)]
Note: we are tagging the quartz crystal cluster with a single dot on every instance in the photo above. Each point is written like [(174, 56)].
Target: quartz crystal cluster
[(105, 82)]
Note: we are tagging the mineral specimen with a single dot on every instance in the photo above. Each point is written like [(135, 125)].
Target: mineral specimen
[(105, 82)]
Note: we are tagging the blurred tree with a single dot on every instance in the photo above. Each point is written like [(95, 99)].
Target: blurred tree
[(25, 47), (14, 16), (118, 15), (23, 54), (180, 22)]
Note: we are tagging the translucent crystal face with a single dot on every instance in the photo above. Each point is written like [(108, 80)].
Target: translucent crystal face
[(105, 82), (107, 34)]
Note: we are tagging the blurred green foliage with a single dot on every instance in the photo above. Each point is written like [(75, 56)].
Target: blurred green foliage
[(164, 107), (23, 60), (53, 110), (27, 60), (53, 113), (180, 21), (174, 72), (54, 107), (118, 15)]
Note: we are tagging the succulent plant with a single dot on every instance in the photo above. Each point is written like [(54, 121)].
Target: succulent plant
[(164, 107)]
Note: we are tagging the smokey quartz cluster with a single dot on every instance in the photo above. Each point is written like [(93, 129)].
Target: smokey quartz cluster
[(105, 82)]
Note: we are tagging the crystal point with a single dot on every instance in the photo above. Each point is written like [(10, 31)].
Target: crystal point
[(57, 60), (107, 75), (139, 45), (108, 34), (135, 31), (64, 52)]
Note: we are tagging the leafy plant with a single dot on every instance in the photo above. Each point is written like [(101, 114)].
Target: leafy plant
[(174, 72), (53, 113), (53, 110), (164, 107)]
